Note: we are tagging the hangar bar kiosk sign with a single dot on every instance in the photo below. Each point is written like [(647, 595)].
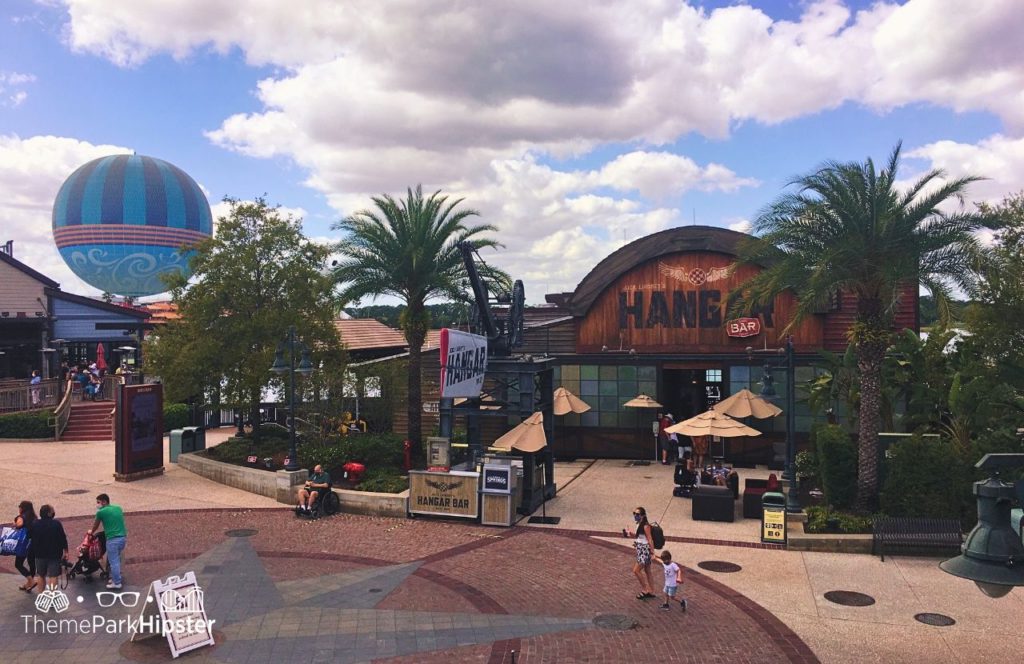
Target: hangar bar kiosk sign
[(463, 363)]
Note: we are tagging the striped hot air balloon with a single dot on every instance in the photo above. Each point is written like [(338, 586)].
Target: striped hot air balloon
[(120, 222)]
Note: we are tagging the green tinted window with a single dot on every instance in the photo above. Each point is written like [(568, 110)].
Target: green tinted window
[(627, 372), (649, 388), (609, 388), (609, 372), (588, 388), (588, 372), (570, 372), (647, 373)]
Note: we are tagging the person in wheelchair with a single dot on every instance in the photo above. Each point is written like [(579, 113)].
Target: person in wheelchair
[(313, 493)]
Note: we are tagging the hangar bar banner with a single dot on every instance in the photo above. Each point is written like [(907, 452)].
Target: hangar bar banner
[(463, 363)]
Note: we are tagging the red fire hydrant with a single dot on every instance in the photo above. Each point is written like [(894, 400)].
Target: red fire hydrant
[(354, 471), (407, 447)]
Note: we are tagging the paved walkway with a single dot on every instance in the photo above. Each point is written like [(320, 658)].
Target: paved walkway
[(401, 590)]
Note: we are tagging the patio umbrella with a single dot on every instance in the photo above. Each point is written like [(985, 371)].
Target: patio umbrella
[(644, 401), (527, 436), (566, 402), (101, 360), (713, 423), (747, 404)]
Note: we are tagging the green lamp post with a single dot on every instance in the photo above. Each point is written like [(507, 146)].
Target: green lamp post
[(282, 365), (993, 554)]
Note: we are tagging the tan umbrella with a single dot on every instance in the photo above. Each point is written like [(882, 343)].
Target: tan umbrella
[(713, 423), (566, 402), (642, 401), (747, 404), (527, 436)]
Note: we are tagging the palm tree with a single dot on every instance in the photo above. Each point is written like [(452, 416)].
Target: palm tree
[(850, 228), (408, 249)]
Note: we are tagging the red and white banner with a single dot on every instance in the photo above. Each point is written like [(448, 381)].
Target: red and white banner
[(463, 363)]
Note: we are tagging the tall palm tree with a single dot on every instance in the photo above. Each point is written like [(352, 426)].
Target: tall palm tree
[(850, 228), (408, 249)]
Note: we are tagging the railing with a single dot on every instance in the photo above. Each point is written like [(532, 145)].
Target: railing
[(62, 413), (19, 395)]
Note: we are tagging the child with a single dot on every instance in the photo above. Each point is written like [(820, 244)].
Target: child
[(673, 579)]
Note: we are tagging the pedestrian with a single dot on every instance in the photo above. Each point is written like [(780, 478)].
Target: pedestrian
[(643, 542), (112, 519), (34, 382), (26, 564), (673, 579), (50, 547), (663, 423), (700, 450)]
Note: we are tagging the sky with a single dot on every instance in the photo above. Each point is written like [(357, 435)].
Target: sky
[(573, 126)]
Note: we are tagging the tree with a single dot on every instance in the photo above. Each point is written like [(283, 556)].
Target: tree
[(256, 277), (408, 249), (850, 228)]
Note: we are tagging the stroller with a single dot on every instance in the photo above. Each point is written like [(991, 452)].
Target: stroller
[(90, 558)]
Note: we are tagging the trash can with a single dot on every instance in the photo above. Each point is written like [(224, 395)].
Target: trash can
[(175, 440), (193, 439), (773, 518)]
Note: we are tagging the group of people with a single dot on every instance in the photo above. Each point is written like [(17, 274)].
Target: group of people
[(643, 543), (48, 543), (672, 444), (90, 378)]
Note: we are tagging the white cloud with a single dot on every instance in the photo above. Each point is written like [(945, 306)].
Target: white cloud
[(10, 82), (31, 172), (740, 225), (372, 97), (998, 158)]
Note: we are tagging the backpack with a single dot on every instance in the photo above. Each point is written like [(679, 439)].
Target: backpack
[(657, 535)]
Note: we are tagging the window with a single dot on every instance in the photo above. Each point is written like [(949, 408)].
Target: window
[(606, 388), (713, 376)]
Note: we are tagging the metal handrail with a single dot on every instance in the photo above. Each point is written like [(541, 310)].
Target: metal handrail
[(21, 396), (62, 413)]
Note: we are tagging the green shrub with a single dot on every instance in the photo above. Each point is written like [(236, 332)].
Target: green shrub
[(818, 522), (837, 465), (375, 451), (806, 465), (27, 425), (926, 478), (383, 480), (175, 416)]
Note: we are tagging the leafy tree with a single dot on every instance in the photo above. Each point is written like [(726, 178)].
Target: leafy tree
[(408, 249), (256, 277), (848, 227)]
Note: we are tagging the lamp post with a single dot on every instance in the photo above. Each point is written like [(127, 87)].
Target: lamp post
[(993, 554), (281, 366), (768, 391)]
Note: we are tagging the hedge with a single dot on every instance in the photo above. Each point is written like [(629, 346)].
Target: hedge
[(175, 416), (927, 478), (27, 425), (837, 465)]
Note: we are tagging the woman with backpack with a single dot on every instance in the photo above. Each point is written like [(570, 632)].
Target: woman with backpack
[(643, 542), (24, 520)]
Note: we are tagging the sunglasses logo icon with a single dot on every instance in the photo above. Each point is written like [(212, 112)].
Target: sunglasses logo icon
[(108, 599)]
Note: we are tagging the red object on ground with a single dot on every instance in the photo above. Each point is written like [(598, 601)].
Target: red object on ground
[(407, 446), (354, 471)]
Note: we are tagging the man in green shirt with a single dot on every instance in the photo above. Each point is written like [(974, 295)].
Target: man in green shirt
[(112, 519), (317, 483)]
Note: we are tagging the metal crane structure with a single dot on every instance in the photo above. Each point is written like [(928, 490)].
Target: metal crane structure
[(515, 386)]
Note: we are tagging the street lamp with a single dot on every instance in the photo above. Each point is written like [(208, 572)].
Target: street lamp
[(768, 391), (281, 366), (993, 554)]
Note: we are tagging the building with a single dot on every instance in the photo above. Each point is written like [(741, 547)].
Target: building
[(652, 318)]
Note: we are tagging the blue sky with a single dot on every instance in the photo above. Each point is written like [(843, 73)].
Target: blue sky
[(571, 129)]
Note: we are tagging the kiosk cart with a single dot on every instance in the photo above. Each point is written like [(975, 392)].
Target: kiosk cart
[(500, 490)]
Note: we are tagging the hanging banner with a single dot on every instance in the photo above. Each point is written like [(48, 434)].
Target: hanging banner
[(463, 363)]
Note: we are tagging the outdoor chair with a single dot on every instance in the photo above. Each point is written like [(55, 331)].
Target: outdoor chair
[(713, 503), (753, 491)]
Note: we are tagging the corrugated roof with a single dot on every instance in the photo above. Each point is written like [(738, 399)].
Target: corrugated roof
[(367, 333)]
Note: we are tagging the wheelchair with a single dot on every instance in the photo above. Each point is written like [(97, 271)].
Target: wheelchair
[(327, 503)]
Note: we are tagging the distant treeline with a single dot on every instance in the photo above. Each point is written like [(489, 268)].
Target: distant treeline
[(446, 314)]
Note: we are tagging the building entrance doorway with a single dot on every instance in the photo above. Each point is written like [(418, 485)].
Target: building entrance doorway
[(690, 391)]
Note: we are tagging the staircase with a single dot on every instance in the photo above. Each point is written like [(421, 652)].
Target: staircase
[(89, 421)]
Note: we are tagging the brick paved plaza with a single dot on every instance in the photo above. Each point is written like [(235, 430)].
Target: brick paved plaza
[(352, 589)]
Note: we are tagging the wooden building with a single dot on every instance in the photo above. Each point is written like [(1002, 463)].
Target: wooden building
[(653, 318)]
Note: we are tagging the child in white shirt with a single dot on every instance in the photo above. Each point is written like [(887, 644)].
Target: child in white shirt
[(673, 579)]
